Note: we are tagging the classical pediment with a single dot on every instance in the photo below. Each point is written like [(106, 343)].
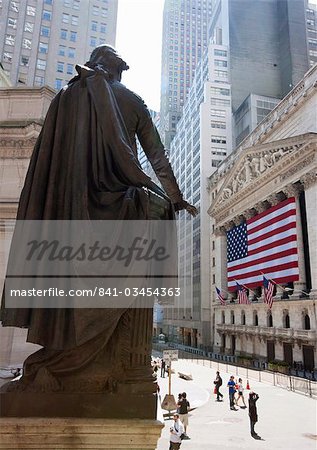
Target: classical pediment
[(255, 165)]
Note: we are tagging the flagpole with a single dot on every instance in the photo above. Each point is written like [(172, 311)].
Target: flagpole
[(281, 287)]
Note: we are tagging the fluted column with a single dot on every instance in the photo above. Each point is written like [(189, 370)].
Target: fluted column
[(310, 186), (293, 191), (221, 257)]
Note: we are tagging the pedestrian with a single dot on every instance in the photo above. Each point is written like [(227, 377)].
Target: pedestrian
[(183, 405), (163, 364), (240, 394), (253, 398), (218, 383), (180, 396), (232, 389), (176, 432)]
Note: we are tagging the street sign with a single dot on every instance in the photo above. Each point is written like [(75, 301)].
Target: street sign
[(170, 355)]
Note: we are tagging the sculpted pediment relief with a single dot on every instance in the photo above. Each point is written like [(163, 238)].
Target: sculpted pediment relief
[(255, 163)]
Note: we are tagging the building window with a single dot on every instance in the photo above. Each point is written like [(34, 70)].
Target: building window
[(67, 3), (218, 112), (219, 91), (26, 43), (213, 278), (219, 125), (103, 28), (60, 66), (7, 56), (48, 2), (14, 6), (215, 162), (223, 317), (232, 317), (220, 101), (43, 48), (95, 10), (24, 61), (41, 64), (242, 318), (93, 41), (220, 63), (220, 52), (270, 320), (58, 84), (102, 41), (29, 27), (12, 22), (104, 12), (30, 10), (221, 73), (213, 262), (218, 139), (65, 18), (38, 81), (94, 25), (62, 50), (47, 15), (286, 321), (74, 20), (255, 319), (71, 52), (63, 34), (45, 31), (307, 322), (69, 69), (76, 4), (73, 36), (9, 40)]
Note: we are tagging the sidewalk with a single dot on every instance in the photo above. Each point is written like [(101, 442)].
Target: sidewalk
[(286, 420)]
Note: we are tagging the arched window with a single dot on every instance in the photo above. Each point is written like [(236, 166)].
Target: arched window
[(307, 322), (242, 318), (255, 319), (269, 320), (232, 317), (223, 317), (287, 321)]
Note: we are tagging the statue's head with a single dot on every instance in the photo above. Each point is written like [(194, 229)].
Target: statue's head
[(107, 57)]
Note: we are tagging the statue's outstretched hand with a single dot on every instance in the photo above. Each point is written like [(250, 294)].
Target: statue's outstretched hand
[(192, 210)]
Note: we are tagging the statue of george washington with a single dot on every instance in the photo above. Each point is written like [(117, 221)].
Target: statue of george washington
[(85, 167)]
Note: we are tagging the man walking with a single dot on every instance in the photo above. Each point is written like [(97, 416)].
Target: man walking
[(253, 398), (218, 383), (163, 364), (176, 431), (183, 405), (231, 385)]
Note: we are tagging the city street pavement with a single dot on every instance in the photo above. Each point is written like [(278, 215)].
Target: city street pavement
[(286, 420)]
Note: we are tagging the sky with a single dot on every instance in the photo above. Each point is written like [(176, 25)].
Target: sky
[(139, 42)]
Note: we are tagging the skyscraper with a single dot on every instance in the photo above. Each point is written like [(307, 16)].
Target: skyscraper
[(311, 21), (248, 57), (185, 36), (41, 41)]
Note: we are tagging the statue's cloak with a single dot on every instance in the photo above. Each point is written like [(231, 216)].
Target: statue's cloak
[(83, 167)]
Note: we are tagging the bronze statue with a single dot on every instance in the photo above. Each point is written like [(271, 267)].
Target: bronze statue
[(84, 167)]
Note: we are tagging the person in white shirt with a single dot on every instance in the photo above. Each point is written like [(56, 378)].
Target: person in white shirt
[(240, 394), (176, 431)]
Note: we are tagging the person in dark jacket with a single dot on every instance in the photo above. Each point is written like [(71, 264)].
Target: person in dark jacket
[(253, 398), (218, 383)]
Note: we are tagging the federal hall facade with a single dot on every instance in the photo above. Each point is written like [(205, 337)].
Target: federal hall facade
[(278, 160)]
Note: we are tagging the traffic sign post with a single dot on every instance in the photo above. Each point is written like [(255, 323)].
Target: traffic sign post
[(169, 402)]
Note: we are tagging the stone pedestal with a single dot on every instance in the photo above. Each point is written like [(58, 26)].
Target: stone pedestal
[(76, 433)]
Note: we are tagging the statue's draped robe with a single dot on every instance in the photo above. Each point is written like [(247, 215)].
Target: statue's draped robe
[(84, 167)]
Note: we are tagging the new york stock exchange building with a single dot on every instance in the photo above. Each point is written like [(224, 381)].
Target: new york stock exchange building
[(263, 209)]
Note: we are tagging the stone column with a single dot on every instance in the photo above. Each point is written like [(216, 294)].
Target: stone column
[(300, 285), (309, 181), (221, 258)]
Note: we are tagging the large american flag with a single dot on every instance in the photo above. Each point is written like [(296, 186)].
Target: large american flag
[(264, 245)]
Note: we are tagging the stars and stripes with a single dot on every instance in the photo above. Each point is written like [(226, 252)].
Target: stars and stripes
[(220, 297), (267, 243), (242, 295), (268, 287)]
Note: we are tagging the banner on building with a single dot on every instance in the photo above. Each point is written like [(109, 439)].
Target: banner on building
[(266, 245)]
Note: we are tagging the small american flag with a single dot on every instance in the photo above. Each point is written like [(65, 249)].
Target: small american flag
[(268, 292), (242, 295), (220, 296)]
